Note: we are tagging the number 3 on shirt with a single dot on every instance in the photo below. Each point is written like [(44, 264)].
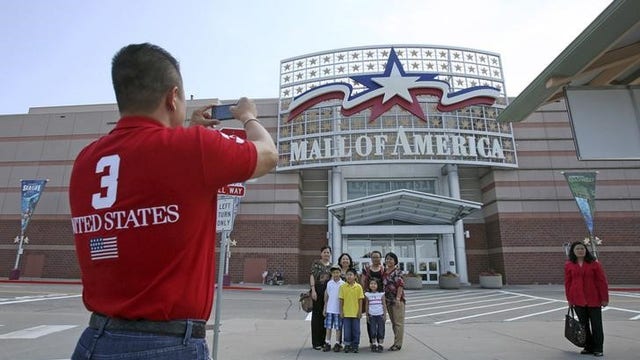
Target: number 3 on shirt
[(108, 181)]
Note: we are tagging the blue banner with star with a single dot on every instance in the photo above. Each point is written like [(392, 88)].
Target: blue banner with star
[(31, 191)]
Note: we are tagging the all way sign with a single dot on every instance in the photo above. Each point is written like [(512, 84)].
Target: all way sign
[(235, 189)]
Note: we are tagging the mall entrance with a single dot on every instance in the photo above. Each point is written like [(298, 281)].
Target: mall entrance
[(417, 253)]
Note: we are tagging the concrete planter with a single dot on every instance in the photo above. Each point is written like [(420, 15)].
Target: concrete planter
[(412, 283), (491, 281), (449, 282)]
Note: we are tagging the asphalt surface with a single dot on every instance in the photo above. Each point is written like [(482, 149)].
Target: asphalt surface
[(42, 321)]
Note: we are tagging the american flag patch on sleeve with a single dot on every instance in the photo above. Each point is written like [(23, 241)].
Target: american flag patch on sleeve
[(103, 248)]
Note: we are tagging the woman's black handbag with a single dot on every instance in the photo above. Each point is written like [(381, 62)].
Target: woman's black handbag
[(306, 302), (573, 330)]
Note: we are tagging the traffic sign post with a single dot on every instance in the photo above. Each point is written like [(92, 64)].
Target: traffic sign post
[(228, 201)]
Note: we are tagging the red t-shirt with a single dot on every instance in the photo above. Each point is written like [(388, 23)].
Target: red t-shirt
[(143, 206)]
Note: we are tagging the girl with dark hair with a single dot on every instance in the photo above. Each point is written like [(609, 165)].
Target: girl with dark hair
[(372, 272), (394, 295), (587, 291), (317, 280)]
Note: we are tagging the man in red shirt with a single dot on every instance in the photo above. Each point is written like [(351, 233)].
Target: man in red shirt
[(143, 207)]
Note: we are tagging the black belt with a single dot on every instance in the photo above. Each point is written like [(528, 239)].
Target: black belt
[(173, 328)]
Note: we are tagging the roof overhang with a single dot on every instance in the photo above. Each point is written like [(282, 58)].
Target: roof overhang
[(404, 205), (606, 53)]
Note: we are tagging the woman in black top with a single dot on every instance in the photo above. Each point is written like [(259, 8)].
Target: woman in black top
[(317, 281)]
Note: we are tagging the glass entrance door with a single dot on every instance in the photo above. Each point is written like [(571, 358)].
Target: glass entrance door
[(415, 253), (427, 261)]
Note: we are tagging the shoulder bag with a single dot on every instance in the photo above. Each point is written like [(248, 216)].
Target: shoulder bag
[(573, 329)]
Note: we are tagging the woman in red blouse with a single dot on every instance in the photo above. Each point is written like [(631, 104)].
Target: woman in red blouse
[(586, 288)]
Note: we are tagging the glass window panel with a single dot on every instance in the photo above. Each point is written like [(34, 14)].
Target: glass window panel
[(427, 248), (433, 266), (377, 187), (356, 189), (426, 186), (397, 185), (405, 249)]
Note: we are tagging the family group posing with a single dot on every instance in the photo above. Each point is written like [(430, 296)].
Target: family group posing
[(341, 296)]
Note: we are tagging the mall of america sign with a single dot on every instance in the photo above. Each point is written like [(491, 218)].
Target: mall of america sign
[(401, 103)]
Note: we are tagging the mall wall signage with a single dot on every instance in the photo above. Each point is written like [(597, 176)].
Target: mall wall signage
[(403, 103)]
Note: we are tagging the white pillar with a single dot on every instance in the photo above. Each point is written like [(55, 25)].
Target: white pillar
[(451, 170), (336, 228)]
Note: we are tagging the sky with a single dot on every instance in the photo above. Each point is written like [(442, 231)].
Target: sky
[(58, 52)]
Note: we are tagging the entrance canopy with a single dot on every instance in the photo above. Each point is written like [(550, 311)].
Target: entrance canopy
[(405, 205)]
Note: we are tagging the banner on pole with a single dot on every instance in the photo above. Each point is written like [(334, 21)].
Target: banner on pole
[(31, 191), (583, 188)]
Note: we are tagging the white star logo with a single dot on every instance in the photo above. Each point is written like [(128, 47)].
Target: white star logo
[(396, 84)]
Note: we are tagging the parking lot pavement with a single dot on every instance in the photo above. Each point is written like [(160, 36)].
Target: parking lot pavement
[(42, 322)]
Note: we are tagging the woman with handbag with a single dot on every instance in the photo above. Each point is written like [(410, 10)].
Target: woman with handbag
[(319, 274), (587, 291)]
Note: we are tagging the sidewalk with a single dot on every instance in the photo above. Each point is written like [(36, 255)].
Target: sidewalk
[(520, 340)]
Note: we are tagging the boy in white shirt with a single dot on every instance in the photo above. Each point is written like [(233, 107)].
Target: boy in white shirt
[(376, 306), (331, 310)]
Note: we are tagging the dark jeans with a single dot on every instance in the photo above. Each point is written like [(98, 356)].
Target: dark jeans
[(110, 344), (376, 328), (591, 319), (317, 323), (351, 331)]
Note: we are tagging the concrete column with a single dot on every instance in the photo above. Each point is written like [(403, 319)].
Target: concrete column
[(336, 228), (451, 170)]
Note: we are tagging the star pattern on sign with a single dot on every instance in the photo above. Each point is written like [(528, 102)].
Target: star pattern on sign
[(356, 67), (385, 53), (287, 78), (340, 57), (414, 53), (341, 69), (300, 64), (287, 67), (370, 66), (355, 55), (313, 61), (370, 54), (286, 92), (313, 73), (326, 59), (298, 76), (326, 71), (397, 87), (465, 124), (456, 55)]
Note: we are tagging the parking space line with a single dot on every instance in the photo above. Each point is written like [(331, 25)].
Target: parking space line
[(535, 314), (449, 299), (465, 309), (27, 299), (492, 312), (460, 304), (36, 331)]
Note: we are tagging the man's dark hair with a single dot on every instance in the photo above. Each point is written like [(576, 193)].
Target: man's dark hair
[(142, 74)]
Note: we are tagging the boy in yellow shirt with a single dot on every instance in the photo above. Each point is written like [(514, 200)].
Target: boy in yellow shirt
[(351, 296)]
